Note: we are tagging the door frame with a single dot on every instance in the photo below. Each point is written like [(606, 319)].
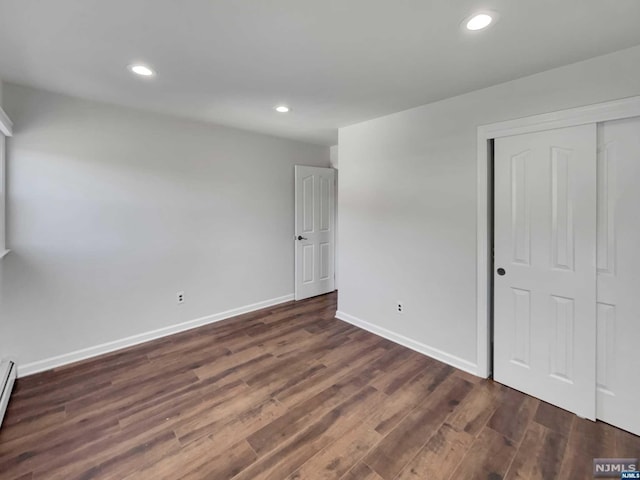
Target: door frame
[(600, 112)]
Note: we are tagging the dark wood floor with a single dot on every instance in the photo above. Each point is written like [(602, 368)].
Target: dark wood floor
[(288, 393)]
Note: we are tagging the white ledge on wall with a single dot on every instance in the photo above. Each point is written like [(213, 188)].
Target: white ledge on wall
[(3, 253)]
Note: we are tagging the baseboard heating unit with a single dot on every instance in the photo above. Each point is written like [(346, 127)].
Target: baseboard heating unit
[(7, 378)]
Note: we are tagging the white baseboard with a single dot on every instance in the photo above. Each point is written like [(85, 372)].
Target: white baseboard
[(53, 362), (445, 357)]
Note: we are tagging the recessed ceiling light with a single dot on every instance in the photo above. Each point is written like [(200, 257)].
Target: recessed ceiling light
[(282, 109), (479, 21), (142, 70)]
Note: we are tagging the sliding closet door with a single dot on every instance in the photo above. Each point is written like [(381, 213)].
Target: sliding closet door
[(545, 273), (618, 261)]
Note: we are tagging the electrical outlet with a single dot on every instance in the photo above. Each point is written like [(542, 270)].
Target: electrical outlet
[(180, 297), (400, 307)]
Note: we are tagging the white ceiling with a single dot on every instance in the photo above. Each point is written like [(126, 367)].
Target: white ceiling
[(336, 62)]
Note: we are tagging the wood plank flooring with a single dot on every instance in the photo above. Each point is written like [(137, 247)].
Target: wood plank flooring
[(288, 393)]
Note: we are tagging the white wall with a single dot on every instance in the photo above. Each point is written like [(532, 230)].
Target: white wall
[(112, 211), (408, 203)]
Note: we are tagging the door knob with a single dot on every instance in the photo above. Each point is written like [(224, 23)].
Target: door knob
[(300, 237), (501, 271)]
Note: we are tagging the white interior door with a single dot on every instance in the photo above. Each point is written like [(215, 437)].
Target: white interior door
[(618, 261), (314, 230), (545, 240)]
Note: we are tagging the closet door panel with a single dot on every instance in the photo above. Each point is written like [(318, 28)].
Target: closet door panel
[(545, 278), (618, 274)]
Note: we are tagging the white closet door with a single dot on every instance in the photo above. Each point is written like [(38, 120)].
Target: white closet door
[(545, 240), (618, 261), (315, 235)]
